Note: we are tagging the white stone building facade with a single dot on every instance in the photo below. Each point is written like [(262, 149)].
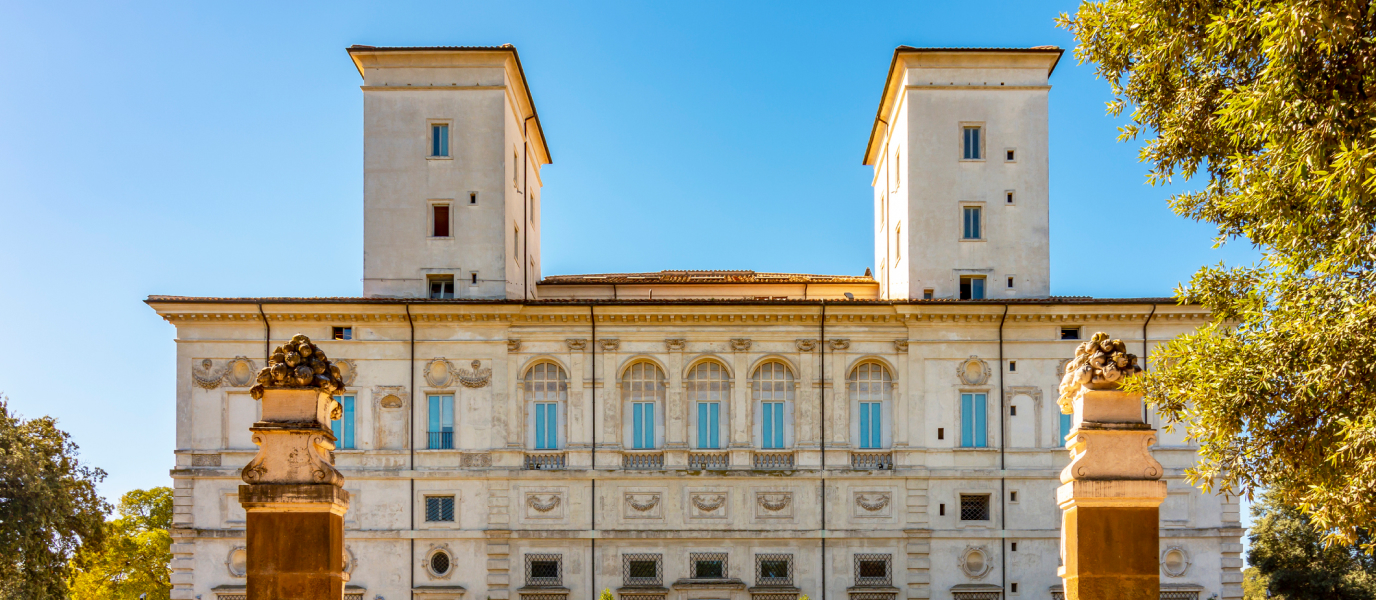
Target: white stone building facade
[(728, 435)]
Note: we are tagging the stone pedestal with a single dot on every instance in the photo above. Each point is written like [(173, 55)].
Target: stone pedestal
[(293, 501), (1111, 492), (295, 541)]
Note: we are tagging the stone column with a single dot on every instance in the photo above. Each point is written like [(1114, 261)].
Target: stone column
[(1112, 488), (294, 502)]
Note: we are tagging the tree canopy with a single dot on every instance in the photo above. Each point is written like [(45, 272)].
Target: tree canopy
[(48, 507), (1291, 560), (1266, 109), (133, 565)]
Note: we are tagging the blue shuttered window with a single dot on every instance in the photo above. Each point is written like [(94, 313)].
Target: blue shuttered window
[(709, 428), (343, 427), (643, 424), (439, 140), (973, 429), (546, 426), (972, 229), (772, 427), (1065, 427), (971, 145), (441, 422), (871, 422)]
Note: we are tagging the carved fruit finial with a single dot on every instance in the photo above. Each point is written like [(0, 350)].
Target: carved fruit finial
[(1100, 363), (298, 364)]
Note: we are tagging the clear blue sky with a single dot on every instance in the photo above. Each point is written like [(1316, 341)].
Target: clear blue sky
[(177, 148)]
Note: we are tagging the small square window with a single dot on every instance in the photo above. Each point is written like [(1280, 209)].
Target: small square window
[(708, 566), (1014, 587), (439, 220), (472, 197), (1013, 410), (928, 293), (1008, 197), (1012, 366), (974, 507), (872, 569), (439, 509), (1070, 333), (1009, 155), (343, 333), (972, 226), (971, 148), (773, 569), (1015, 546), (642, 569), (1013, 498), (544, 569), (971, 287), (441, 287), (439, 140)]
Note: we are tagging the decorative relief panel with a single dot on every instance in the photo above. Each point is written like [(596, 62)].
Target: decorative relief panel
[(348, 371), (839, 344), (740, 344), (806, 345), (240, 370), (975, 562), (643, 504), (475, 377), (973, 371), (476, 460), (391, 396), (610, 345), (439, 372), (900, 345), (206, 375), (577, 345), (544, 504), (675, 344), (773, 504), (872, 504), (513, 345), (709, 504)]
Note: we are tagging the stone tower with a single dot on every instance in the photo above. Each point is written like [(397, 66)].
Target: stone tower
[(959, 150), (452, 155)]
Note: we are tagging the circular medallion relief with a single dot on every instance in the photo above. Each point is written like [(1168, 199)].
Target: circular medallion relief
[(1174, 561), (239, 372), (973, 371), (975, 562), (237, 561), (347, 370)]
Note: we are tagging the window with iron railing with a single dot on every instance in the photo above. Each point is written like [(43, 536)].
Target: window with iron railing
[(642, 570), (544, 569), (710, 565), (439, 509), (774, 569), (873, 569), (441, 431)]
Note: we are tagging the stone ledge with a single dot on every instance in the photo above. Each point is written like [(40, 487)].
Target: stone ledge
[(293, 496), (1111, 493)]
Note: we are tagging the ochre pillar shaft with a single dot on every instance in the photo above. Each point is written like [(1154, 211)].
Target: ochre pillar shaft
[(1111, 553), (295, 541)]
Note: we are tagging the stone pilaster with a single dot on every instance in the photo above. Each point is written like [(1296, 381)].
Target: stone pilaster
[(1110, 528)]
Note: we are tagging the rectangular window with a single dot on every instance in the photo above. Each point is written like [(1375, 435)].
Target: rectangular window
[(928, 294), (1012, 366), (973, 430), (439, 140), (439, 509), (774, 569), (942, 510), (641, 570), (343, 427), (442, 422), (974, 507), (544, 569), (1070, 333), (873, 569), (972, 151), (1013, 498), (709, 429), (1065, 427), (515, 241), (1010, 282), (643, 425), (898, 243), (772, 425), (1009, 154), (708, 566), (1008, 197), (473, 278), (441, 287), (971, 230), (871, 424), (971, 287), (343, 333), (940, 433), (439, 220), (472, 197), (1013, 411), (546, 426)]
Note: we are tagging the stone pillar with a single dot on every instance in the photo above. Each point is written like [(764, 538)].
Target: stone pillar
[(1112, 488), (294, 502)]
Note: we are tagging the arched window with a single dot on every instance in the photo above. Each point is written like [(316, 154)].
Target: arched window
[(871, 395), (642, 388), (546, 392), (773, 397), (709, 396)]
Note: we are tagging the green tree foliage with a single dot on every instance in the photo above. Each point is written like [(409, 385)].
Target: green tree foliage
[(1253, 584), (1269, 109), (1292, 561), (48, 507), (138, 548)]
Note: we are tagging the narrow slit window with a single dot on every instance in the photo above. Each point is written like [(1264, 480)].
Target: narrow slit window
[(1008, 197), (472, 197), (1012, 366), (972, 141), (941, 510), (439, 140), (1013, 411), (440, 219), (473, 278), (1010, 282), (940, 433), (1009, 154)]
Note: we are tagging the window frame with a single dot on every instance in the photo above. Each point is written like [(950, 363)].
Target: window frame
[(785, 581), (1064, 329), (1007, 159), (453, 507), (980, 225), (1010, 197), (983, 287), (861, 581), (981, 142), (629, 581), (342, 333), (698, 397), (432, 279), (440, 396), (977, 424), (695, 557), (556, 398), (643, 372), (988, 506), (556, 581), (347, 421), (781, 429), (430, 125), (861, 414), (433, 207)]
